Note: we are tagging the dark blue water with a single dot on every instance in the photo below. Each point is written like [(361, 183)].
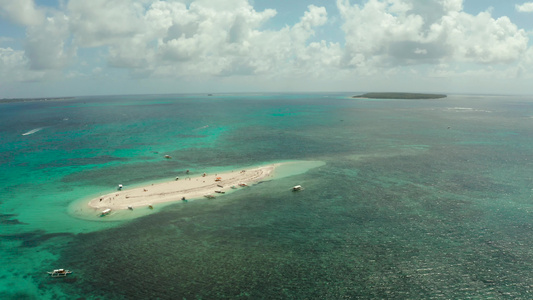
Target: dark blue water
[(417, 199)]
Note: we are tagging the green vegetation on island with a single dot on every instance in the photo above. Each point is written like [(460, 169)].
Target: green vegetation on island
[(400, 96)]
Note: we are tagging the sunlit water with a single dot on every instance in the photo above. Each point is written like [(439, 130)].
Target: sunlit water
[(414, 199)]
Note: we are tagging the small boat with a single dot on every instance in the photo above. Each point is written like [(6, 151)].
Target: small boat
[(242, 184), (209, 196), (218, 179), (297, 188), (233, 187), (59, 273), (220, 186), (220, 192), (130, 207), (120, 187), (168, 156), (106, 212), (150, 206)]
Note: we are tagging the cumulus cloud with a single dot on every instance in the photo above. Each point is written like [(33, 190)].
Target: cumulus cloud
[(46, 45), (222, 38), (399, 32), (22, 12), (101, 22), (14, 67), (525, 7)]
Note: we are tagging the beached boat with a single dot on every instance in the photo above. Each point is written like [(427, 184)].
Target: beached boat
[(106, 212), (130, 207), (150, 206), (242, 184), (59, 273), (297, 188), (220, 192), (209, 196)]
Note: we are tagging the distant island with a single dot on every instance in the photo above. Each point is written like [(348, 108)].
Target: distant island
[(400, 96), (13, 100)]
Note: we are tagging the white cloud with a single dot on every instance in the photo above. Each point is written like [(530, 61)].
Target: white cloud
[(484, 39), (224, 38), (22, 12), (46, 45), (101, 22), (14, 67), (392, 32), (217, 40), (525, 7)]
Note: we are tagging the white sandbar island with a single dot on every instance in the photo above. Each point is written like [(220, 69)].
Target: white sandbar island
[(210, 185)]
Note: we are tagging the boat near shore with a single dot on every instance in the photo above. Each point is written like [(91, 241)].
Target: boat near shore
[(297, 188), (59, 273)]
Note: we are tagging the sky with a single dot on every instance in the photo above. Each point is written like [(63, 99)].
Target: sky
[(60, 48)]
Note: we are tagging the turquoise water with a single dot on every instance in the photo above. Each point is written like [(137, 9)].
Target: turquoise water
[(416, 199)]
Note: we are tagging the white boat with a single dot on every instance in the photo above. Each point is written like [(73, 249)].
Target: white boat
[(106, 212), (297, 188), (59, 273), (120, 187)]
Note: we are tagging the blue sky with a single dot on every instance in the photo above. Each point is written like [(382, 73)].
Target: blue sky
[(54, 48)]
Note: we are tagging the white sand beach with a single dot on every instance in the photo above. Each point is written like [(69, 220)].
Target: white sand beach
[(212, 185)]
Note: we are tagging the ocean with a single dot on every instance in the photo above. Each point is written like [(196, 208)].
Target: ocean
[(413, 199)]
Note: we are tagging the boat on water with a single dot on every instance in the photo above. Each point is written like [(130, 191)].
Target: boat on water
[(106, 212), (168, 156), (297, 188), (59, 273)]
